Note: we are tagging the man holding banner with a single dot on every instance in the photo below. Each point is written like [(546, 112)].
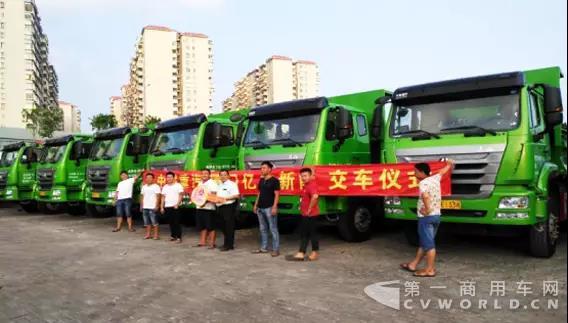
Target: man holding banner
[(206, 193), (429, 212)]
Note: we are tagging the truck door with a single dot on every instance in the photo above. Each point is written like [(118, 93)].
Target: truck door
[(539, 141), (77, 168)]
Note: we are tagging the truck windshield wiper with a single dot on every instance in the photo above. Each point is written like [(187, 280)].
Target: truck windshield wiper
[(175, 150), (258, 143), (483, 130), (106, 157), (420, 133), (289, 140), (157, 152)]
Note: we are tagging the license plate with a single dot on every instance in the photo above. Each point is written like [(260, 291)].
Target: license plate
[(96, 195), (42, 193), (451, 204)]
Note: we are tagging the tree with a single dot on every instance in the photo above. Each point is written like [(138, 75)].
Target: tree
[(103, 121), (151, 120), (43, 121)]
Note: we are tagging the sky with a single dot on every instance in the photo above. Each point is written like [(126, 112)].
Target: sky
[(358, 45)]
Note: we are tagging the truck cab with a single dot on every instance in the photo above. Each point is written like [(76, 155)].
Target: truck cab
[(61, 173), (18, 173), (113, 151), (196, 142), (504, 132), (318, 131)]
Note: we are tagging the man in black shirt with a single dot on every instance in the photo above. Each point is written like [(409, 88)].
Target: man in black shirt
[(266, 208)]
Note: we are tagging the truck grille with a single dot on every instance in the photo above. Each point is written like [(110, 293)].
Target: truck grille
[(97, 178), (3, 179), (476, 166), (45, 178), (278, 160)]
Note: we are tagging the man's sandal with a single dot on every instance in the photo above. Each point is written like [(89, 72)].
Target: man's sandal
[(407, 268), (423, 273)]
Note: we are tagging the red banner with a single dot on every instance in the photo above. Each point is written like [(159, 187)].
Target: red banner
[(348, 180)]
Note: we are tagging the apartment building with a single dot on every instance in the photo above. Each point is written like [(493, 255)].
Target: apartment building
[(170, 75), (71, 117), (27, 79), (116, 109), (278, 79)]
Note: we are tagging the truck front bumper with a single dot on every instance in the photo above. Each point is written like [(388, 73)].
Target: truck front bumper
[(101, 198), (480, 211), (14, 193)]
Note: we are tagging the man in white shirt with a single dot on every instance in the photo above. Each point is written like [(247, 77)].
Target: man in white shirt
[(123, 200), (172, 196), (204, 214), (429, 212), (149, 205), (228, 199)]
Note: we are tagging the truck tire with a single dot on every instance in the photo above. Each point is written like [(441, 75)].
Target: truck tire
[(29, 206), (544, 235), (356, 224), (76, 209), (411, 233), (96, 211)]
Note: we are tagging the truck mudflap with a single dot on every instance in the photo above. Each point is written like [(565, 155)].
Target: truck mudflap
[(563, 203)]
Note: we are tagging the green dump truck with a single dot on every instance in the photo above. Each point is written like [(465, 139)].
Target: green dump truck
[(505, 133), (18, 174), (319, 131), (113, 151), (61, 174)]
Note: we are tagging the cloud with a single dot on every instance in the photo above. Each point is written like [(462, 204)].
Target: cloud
[(103, 5)]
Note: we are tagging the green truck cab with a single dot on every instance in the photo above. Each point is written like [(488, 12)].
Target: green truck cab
[(504, 132), (61, 173), (113, 151), (319, 131), (196, 142), (18, 174)]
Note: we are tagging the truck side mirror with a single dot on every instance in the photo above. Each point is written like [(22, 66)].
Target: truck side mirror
[(137, 145), (240, 133), (344, 124), (377, 122), (552, 105), (214, 135), (77, 150)]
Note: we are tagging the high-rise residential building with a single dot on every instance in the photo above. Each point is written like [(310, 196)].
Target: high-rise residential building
[(116, 109), (170, 75), (278, 79), (71, 117), (27, 80)]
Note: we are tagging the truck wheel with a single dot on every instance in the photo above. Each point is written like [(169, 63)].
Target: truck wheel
[(98, 211), (53, 208), (29, 206), (355, 226), (76, 209), (544, 235), (411, 233)]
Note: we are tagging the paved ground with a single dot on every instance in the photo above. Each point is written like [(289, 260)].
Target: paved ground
[(60, 268)]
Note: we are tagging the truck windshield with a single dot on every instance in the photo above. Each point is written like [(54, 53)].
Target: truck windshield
[(293, 130), (53, 154), (174, 141), (8, 158), (106, 148), (496, 113)]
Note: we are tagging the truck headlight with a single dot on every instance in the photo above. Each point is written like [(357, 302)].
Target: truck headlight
[(519, 215), (392, 200), (514, 202), (56, 193), (111, 194), (394, 211), (9, 192)]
